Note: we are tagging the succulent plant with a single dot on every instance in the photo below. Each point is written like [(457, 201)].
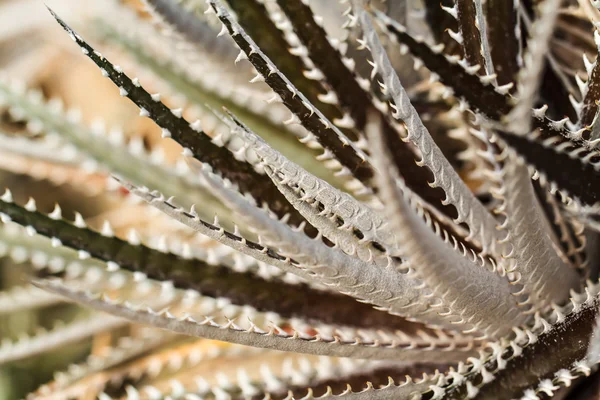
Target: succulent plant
[(423, 224)]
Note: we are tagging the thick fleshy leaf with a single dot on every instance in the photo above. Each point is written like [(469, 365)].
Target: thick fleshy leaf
[(527, 234), (563, 337), (77, 380), (338, 71), (472, 29), (254, 17), (288, 300), (200, 317), (578, 173), (336, 144), (330, 137), (441, 22), (268, 29), (330, 266), (189, 135), (504, 33), (421, 262), (529, 78), (470, 211), (475, 306), (210, 86), (588, 108), (325, 378), (136, 291), (195, 30)]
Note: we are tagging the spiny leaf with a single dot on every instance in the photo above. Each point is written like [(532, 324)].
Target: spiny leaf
[(504, 34), (564, 169), (492, 101), (164, 370), (470, 211), (315, 378), (441, 22), (417, 176), (202, 90), (457, 75), (470, 33), (196, 31), (338, 71), (361, 217), (214, 231), (311, 118), (577, 173), (564, 344), (368, 379), (190, 136), (475, 243), (254, 17), (528, 239), (591, 95), (17, 244), (429, 255), (329, 224), (324, 264), (215, 281), (337, 342), (529, 78), (306, 269), (312, 193), (65, 383), (351, 95)]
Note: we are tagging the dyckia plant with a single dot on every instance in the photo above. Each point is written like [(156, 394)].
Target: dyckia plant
[(412, 214)]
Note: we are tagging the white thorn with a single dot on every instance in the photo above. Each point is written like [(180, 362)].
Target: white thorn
[(196, 125), (133, 237), (79, 222), (56, 214), (107, 229), (30, 205), (7, 197)]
